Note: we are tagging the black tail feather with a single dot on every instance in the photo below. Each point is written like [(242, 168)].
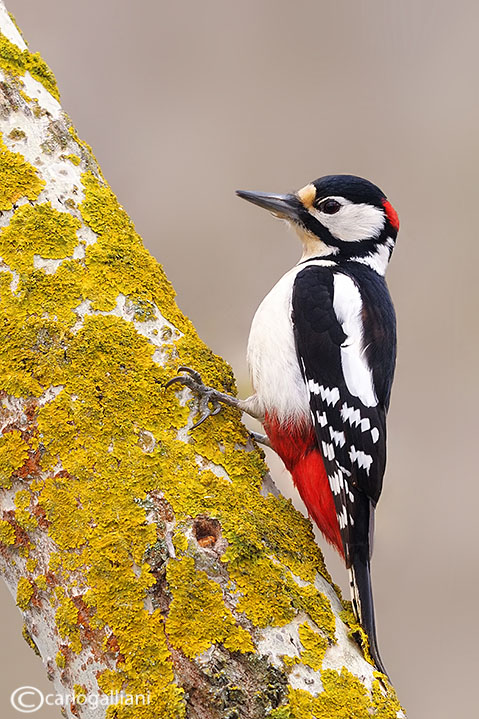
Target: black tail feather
[(362, 597)]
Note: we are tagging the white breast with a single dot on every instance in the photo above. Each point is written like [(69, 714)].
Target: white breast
[(272, 357)]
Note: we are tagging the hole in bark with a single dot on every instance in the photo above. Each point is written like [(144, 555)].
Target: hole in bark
[(206, 531)]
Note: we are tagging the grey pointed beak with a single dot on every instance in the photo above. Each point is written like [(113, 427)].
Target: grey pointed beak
[(284, 206)]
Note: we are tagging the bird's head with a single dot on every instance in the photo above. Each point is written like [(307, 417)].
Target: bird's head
[(342, 216)]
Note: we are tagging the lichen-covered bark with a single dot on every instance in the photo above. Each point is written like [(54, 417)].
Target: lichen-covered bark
[(143, 559)]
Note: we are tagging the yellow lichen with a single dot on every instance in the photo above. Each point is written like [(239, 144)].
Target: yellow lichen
[(31, 564), (385, 701), (264, 593), (22, 499), (32, 350), (64, 510), (355, 629), (18, 178), (41, 581), (66, 618), (37, 230), (17, 62), (198, 617), (79, 692), (315, 646), (60, 660), (25, 591), (343, 697), (55, 562), (180, 542), (73, 159), (23, 516), (299, 706), (7, 532), (290, 661), (13, 455), (146, 668), (318, 606), (29, 640), (117, 262)]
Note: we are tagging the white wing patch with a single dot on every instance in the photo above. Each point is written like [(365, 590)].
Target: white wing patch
[(347, 305), (342, 517), (329, 394), (321, 417), (353, 416), (339, 438), (336, 482), (363, 460), (328, 450)]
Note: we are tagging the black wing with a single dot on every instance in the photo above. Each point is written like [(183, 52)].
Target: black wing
[(348, 411)]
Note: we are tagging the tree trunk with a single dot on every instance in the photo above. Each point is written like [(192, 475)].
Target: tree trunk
[(156, 570)]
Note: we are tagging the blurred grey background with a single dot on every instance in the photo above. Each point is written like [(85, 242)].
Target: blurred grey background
[(185, 102)]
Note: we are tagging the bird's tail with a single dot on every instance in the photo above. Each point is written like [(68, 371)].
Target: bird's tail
[(362, 598)]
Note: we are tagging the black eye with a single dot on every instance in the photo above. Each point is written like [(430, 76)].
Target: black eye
[(330, 207)]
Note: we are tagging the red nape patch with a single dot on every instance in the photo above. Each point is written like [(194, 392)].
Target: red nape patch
[(391, 214), (297, 447)]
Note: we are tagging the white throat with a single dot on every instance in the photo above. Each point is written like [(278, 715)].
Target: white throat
[(312, 245)]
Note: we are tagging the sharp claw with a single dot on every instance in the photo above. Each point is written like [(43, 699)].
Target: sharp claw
[(203, 418), (192, 378), (173, 381), (206, 410), (193, 381), (196, 375)]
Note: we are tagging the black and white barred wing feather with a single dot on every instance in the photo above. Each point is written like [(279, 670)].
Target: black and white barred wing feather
[(349, 420)]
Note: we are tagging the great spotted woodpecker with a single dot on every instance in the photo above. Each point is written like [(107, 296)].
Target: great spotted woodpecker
[(321, 355)]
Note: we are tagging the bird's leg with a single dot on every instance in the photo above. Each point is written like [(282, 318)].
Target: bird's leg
[(261, 439), (211, 399)]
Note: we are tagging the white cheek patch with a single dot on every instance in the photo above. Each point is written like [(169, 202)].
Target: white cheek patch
[(378, 260), (354, 222)]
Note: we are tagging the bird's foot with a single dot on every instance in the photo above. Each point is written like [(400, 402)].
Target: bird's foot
[(210, 398)]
